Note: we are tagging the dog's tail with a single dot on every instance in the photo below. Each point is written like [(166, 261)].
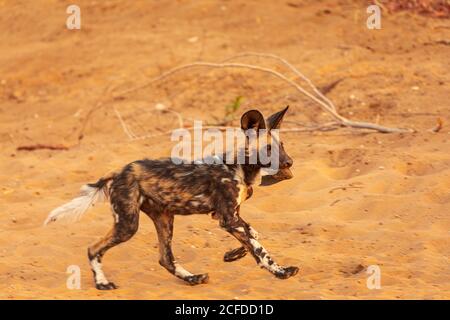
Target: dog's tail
[(90, 194)]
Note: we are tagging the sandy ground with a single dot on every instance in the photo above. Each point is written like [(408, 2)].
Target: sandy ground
[(357, 198)]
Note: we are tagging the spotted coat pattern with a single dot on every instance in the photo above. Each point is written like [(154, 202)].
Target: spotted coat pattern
[(162, 189)]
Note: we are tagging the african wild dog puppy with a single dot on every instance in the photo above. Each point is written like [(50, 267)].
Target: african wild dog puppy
[(162, 189)]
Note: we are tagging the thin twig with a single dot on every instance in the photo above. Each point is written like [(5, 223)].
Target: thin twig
[(98, 105), (342, 120), (382, 6), (179, 116), (438, 126), (130, 135), (291, 67), (40, 146), (325, 127)]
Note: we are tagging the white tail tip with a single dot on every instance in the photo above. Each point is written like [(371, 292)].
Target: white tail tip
[(74, 210)]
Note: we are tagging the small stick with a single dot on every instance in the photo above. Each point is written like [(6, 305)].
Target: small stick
[(320, 99), (293, 69), (40, 146), (344, 121), (438, 126), (127, 131)]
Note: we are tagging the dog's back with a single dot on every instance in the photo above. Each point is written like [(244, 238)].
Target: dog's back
[(184, 189)]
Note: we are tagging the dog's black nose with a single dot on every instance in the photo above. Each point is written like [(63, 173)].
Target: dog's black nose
[(287, 164)]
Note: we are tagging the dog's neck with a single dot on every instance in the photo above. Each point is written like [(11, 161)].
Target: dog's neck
[(250, 171)]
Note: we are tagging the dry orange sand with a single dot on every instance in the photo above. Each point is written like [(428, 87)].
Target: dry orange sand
[(357, 199)]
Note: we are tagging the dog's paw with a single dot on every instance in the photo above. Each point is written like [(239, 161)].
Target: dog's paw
[(197, 279), (234, 254), (287, 272), (106, 286)]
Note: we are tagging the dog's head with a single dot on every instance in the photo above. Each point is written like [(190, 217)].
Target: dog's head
[(267, 142)]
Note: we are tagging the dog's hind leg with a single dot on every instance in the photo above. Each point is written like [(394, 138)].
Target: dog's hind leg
[(164, 227), (235, 254), (125, 207), (238, 253)]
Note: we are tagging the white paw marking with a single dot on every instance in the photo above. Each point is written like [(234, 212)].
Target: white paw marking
[(181, 272), (99, 275)]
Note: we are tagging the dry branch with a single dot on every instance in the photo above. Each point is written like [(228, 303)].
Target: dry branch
[(125, 128), (98, 105), (325, 127), (291, 67), (40, 146), (325, 106)]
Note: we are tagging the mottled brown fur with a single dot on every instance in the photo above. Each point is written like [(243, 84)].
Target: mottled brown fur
[(162, 189)]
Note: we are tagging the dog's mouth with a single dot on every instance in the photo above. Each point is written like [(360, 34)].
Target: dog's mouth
[(282, 174)]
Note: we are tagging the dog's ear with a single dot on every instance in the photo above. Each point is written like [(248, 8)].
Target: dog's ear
[(274, 121), (253, 119)]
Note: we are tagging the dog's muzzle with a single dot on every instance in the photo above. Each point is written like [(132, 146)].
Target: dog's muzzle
[(282, 174)]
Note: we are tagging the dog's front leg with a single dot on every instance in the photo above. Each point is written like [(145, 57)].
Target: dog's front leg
[(241, 231)]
